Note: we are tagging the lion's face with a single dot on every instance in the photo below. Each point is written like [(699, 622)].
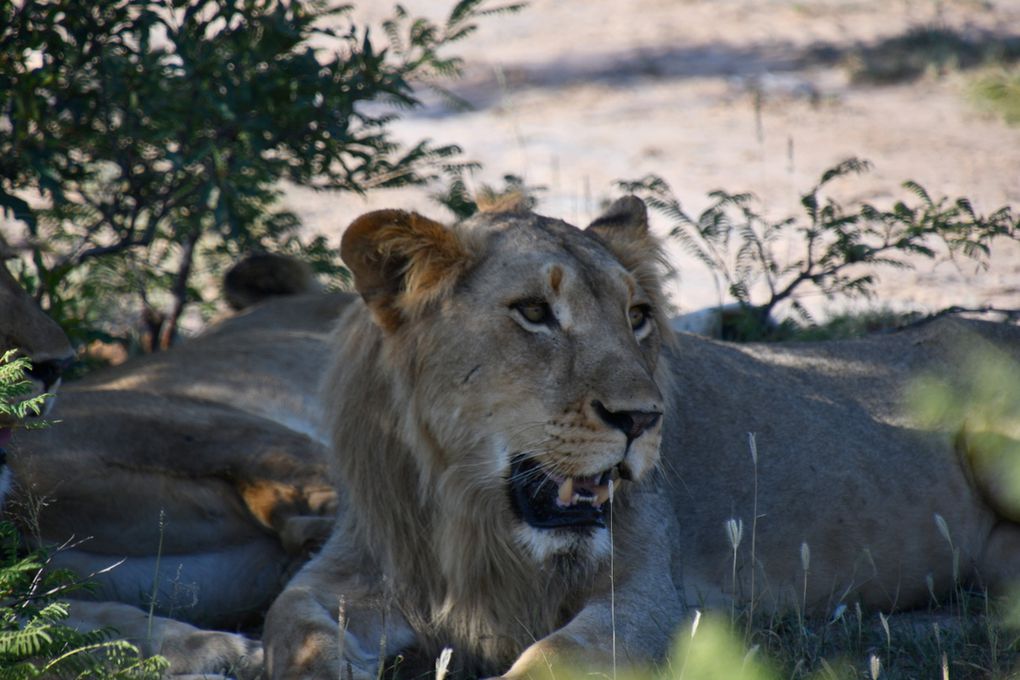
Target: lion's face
[(531, 376), (25, 327)]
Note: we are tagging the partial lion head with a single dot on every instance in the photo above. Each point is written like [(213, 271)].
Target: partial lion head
[(23, 326), (262, 276), (510, 362)]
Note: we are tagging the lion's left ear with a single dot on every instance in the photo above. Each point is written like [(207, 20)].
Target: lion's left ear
[(401, 261), (623, 228), (627, 215)]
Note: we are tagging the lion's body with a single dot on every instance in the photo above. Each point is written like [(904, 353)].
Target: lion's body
[(24, 327), (842, 466), (213, 449), (197, 476), (490, 355)]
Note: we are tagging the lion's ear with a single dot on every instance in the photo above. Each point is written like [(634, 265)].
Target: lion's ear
[(623, 228), (401, 261)]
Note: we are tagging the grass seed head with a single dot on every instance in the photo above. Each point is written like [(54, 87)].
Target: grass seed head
[(735, 531)]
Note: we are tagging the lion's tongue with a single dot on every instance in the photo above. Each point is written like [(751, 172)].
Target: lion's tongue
[(5, 436)]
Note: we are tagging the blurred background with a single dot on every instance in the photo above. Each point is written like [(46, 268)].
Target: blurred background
[(147, 145), (741, 95)]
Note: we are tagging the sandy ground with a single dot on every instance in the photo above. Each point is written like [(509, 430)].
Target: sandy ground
[(575, 94)]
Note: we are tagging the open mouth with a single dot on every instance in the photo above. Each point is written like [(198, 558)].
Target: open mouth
[(547, 501)]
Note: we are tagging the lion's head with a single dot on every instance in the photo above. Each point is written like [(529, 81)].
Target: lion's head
[(498, 382), (23, 326)]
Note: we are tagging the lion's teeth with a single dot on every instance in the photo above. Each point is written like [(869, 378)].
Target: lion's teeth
[(566, 494), (601, 495)]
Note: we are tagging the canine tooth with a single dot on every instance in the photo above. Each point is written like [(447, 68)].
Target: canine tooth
[(601, 495), (567, 495)]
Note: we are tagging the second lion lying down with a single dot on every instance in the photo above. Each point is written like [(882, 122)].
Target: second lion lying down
[(499, 404)]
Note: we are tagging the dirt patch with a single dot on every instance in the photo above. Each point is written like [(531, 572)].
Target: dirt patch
[(735, 94)]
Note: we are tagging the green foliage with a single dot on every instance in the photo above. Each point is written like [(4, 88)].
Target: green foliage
[(709, 650), (34, 640), (142, 142), (13, 386), (849, 325), (982, 409), (840, 247), (999, 91)]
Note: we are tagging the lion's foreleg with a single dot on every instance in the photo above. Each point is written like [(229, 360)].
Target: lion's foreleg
[(630, 619), (329, 622)]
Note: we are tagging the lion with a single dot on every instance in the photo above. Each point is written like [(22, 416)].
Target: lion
[(189, 483), (24, 327), (533, 468)]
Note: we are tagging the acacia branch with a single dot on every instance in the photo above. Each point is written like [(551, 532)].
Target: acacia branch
[(180, 290)]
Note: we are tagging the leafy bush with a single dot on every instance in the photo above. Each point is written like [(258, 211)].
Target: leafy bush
[(840, 247), (34, 640), (13, 386), (142, 142)]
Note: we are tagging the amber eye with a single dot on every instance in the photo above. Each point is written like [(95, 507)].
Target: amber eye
[(534, 311), (638, 316)]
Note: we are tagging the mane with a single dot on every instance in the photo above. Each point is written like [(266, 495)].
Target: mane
[(415, 483), (403, 508)]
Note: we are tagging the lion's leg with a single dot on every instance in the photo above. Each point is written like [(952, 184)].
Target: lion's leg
[(190, 650), (201, 587), (331, 619), (303, 534), (637, 606)]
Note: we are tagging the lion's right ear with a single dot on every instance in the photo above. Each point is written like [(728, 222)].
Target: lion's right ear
[(401, 262)]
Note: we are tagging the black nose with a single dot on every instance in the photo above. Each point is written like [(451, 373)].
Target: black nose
[(48, 372), (631, 423)]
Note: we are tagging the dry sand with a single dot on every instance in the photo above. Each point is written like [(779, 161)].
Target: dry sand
[(575, 94)]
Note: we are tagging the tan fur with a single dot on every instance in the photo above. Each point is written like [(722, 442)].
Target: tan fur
[(202, 468), (426, 413), (401, 262), (512, 201), (212, 447)]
